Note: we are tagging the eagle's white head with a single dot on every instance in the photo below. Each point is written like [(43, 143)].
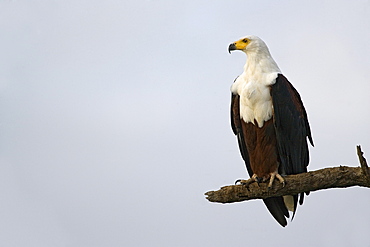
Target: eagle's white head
[(259, 58)]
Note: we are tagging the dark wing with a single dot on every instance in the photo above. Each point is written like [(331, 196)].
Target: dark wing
[(275, 205), (237, 129), (292, 128)]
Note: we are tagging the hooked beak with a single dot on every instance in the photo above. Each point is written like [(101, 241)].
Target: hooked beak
[(232, 47)]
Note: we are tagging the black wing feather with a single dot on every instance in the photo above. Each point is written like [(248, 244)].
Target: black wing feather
[(237, 129), (292, 129)]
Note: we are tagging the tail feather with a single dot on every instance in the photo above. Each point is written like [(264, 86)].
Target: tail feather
[(277, 209)]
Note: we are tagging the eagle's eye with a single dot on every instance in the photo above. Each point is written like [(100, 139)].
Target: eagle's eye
[(245, 40)]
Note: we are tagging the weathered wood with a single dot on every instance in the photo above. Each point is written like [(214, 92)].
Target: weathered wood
[(363, 163), (336, 177)]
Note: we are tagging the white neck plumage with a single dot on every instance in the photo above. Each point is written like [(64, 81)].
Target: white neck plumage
[(260, 63)]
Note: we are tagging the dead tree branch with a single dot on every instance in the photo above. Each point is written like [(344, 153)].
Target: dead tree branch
[(336, 177)]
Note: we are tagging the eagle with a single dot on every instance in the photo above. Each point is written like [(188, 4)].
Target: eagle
[(271, 124)]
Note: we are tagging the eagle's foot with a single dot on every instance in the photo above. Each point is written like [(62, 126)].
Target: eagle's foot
[(274, 175), (247, 182)]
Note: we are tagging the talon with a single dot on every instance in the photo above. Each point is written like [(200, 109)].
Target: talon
[(246, 182), (283, 184), (281, 179), (274, 175), (238, 181)]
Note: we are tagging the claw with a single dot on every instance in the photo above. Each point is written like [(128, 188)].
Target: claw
[(281, 179), (274, 175), (238, 181), (247, 182)]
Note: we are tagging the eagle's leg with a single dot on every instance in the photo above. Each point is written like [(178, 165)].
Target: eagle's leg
[(274, 175), (247, 182)]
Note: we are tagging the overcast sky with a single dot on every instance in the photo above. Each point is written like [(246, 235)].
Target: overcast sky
[(114, 120)]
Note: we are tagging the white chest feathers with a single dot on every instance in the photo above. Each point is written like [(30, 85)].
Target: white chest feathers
[(255, 97)]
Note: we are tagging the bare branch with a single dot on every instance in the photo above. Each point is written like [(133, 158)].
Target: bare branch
[(363, 163), (336, 177)]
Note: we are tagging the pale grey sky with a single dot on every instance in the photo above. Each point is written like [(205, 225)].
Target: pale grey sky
[(115, 120)]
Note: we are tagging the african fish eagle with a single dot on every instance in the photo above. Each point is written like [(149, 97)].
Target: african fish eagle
[(270, 122)]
